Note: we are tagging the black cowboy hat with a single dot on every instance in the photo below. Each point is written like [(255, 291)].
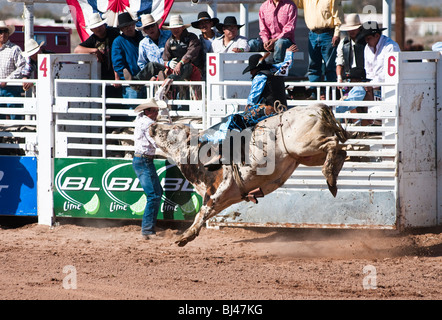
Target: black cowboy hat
[(125, 19), (255, 61), (371, 28), (228, 21), (204, 16)]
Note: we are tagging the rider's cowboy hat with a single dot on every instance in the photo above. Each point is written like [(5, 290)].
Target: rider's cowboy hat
[(151, 103), (3, 25), (352, 22), (31, 47), (176, 21), (95, 21), (255, 61), (204, 16), (125, 19), (147, 20), (228, 21)]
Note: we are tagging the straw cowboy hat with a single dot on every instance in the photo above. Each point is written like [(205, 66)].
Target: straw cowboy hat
[(125, 19), (228, 21), (95, 21), (204, 16), (352, 22), (3, 25), (31, 47), (151, 103), (176, 21), (147, 20)]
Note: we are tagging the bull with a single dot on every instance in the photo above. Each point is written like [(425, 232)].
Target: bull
[(302, 135)]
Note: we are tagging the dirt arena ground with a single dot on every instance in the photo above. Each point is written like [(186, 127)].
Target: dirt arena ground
[(108, 260)]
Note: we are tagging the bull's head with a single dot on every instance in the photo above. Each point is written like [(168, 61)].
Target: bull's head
[(173, 139)]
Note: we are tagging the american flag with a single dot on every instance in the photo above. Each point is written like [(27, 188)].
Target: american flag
[(110, 9)]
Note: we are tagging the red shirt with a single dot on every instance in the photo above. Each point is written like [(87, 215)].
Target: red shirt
[(277, 21)]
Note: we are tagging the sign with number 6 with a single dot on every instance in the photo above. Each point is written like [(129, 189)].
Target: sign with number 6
[(391, 68)]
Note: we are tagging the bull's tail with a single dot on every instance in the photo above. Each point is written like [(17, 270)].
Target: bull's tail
[(329, 121)]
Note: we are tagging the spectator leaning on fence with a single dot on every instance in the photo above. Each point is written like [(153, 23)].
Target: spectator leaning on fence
[(230, 41), (100, 43), (125, 54), (31, 54), (277, 23), (11, 64)]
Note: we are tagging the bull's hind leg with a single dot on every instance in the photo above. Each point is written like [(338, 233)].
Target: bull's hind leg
[(333, 162)]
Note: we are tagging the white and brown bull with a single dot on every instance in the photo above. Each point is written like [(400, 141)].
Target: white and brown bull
[(301, 135)]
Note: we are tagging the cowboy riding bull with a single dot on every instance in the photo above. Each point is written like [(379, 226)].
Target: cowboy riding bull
[(272, 150)]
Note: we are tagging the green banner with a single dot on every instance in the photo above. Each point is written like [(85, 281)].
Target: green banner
[(109, 188)]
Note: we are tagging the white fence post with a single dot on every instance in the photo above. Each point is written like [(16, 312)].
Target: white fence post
[(45, 140)]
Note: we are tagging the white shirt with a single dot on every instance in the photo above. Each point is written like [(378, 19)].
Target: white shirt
[(144, 144), (239, 42), (374, 62)]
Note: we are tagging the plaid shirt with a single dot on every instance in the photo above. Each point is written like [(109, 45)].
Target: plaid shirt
[(11, 61)]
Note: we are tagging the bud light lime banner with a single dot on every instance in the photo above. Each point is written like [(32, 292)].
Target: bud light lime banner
[(104, 188), (18, 186)]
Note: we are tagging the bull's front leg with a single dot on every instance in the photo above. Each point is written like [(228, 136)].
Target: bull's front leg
[(193, 231)]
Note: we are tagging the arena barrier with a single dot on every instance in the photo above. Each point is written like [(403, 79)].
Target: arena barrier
[(79, 138)]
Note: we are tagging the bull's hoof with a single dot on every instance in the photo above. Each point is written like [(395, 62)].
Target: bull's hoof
[(333, 189), (181, 242)]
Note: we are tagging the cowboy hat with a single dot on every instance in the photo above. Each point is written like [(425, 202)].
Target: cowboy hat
[(204, 16), (151, 103), (228, 21), (371, 28), (125, 19), (255, 61), (176, 21), (95, 21), (31, 47), (147, 20), (352, 22), (3, 25)]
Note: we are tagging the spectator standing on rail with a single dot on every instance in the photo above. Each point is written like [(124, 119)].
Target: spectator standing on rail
[(230, 41), (208, 34), (125, 54), (323, 18), (277, 24), (350, 52), (11, 64), (143, 164)]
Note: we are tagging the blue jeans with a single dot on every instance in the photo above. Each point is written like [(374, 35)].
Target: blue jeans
[(147, 174), (281, 45), (12, 91), (320, 49)]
